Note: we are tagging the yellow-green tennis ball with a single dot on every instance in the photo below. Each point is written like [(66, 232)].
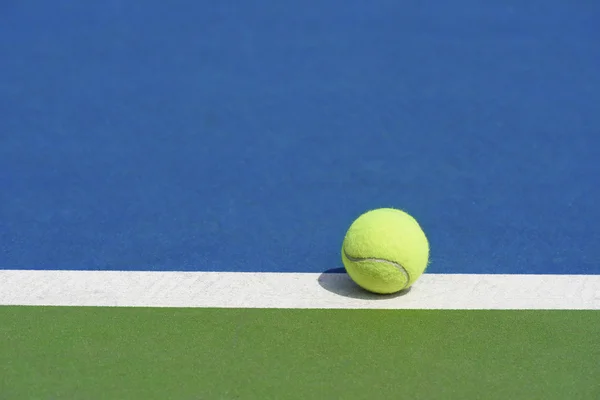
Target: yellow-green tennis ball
[(385, 251)]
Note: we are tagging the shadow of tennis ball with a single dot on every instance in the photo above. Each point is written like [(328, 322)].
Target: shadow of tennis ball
[(337, 281)]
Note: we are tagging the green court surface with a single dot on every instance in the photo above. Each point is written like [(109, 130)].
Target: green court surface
[(149, 353)]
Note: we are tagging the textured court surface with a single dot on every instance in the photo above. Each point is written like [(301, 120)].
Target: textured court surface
[(147, 353), (245, 136), (236, 141)]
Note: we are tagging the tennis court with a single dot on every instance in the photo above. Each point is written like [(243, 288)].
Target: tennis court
[(176, 180)]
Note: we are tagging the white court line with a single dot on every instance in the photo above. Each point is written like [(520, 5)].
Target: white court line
[(293, 290)]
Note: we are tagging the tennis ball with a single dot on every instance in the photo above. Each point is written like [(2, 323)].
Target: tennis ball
[(385, 251)]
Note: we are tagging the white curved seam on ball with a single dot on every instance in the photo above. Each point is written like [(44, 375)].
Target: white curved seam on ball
[(381, 260)]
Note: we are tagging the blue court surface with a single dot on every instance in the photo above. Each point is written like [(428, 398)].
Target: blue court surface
[(246, 136)]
